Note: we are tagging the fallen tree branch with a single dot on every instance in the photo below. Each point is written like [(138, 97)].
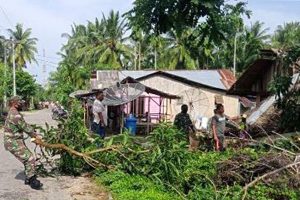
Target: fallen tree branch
[(290, 140), (252, 183), (85, 156), (261, 142), (102, 150)]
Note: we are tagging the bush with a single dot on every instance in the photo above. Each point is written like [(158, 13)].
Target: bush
[(73, 133), (161, 167), (132, 187)]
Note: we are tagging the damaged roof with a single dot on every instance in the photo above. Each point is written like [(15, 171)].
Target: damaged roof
[(255, 72)]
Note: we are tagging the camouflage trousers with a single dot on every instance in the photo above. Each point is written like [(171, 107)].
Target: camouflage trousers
[(22, 153)]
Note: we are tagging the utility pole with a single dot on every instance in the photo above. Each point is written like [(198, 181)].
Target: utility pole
[(135, 58), (14, 69), (234, 55), (139, 55), (5, 74), (44, 67), (155, 59)]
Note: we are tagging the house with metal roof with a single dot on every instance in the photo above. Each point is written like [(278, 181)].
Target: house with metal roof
[(199, 89)]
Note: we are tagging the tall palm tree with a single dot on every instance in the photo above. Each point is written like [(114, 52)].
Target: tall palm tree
[(2, 46), (25, 45), (114, 49), (287, 36), (178, 55), (157, 53), (254, 39), (249, 43)]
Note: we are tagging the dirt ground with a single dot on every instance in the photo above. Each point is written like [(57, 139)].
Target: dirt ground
[(60, 188)]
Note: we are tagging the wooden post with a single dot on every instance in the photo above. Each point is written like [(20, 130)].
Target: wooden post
[(166, 118), (148, 117), (84, 114), (159, 108), (258, 98), (166, 113)]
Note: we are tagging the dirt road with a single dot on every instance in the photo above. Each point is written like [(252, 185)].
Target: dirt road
[(61, 188)]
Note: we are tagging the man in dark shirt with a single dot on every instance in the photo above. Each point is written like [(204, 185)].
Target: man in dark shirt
[(183, 121)]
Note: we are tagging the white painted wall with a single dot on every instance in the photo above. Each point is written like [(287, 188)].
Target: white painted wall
[(168, 85)]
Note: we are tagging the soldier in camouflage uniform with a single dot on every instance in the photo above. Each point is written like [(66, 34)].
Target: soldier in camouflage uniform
[(183, 121), (14, 129)]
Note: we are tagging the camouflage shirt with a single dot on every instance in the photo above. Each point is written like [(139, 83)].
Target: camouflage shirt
[(183, 122), (15, 126)]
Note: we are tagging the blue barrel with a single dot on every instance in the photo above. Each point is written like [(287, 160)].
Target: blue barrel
[(130, 124)]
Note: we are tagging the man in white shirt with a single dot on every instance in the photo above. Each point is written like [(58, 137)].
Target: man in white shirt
[(100, 116)]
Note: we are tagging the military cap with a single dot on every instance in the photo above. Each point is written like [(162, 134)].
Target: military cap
[(16, 98)]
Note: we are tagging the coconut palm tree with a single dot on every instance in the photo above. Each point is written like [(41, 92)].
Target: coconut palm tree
[(178, 55), (253, 39), (287, 36), (113, 49), (24, 45), (249, 43)]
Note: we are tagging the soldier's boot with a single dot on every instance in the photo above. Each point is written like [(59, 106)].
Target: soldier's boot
[(27, 181), (34, 183)]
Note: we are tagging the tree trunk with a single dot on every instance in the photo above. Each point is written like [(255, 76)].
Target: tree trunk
[(155, 59), (139, 55)]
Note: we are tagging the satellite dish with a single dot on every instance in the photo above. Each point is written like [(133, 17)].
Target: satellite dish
[(120, 94), (78, 93), (197, 102)]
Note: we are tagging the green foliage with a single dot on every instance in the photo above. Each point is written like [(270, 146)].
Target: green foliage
[(40, 95), (287, 94), (131, 187), (3, 82), (273, 192), (25, 46), (280, 86), (161, 167), (287, 36), (163, 16), (26, 85), (73, 133)]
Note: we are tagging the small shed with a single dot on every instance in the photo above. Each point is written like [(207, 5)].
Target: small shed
[(151, 107)]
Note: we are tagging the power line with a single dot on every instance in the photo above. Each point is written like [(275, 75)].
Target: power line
[(55, 58), (6, 16), (47, 61)]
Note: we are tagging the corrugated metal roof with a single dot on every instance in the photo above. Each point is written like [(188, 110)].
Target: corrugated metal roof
[(206, 77), (211, 78), (134, 74)]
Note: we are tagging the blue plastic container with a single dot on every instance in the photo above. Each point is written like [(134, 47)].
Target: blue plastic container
[(130, 124)]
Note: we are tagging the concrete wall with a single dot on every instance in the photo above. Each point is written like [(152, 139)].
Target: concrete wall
[(231, 103)]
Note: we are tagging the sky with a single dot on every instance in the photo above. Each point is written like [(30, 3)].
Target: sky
[(50, 18)]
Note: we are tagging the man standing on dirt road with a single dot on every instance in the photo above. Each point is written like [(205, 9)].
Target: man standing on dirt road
[(100, 116), (14, 129)]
